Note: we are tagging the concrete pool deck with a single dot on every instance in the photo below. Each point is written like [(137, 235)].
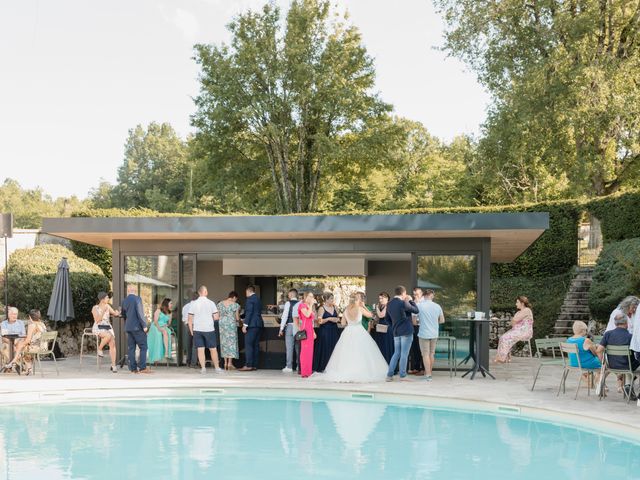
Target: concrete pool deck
[(509, 393)]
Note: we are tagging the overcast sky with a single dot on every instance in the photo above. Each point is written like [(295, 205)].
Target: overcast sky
[(78, 74)]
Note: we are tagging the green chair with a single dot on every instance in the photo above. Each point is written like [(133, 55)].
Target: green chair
[(48, 342), (451, 350), (621, 351), (543, 344), (567, 349)]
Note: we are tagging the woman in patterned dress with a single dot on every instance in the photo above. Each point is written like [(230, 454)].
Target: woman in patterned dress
[(522, 329), (229, 321), (31, 344)]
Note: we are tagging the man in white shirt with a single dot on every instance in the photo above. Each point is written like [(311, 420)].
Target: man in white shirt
[(187, 337), (202, 313), (627, 307), (431, 316), (288, 329)]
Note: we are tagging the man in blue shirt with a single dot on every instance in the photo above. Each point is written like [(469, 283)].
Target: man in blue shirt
[(431, 316), (620, 336), (12, 326), (399, 311)]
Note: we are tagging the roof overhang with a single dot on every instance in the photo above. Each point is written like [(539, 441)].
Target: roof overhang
[(510, 233)]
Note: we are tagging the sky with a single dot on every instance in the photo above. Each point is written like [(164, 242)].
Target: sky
[(76, 75)]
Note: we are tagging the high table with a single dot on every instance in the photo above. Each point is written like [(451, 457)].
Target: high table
[(474, 349), (12, 341)]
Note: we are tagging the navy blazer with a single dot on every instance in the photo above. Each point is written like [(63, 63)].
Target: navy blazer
[(399, 315), (133, 312), (253, 312)]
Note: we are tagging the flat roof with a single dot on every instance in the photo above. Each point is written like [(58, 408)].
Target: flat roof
[(510, 233)]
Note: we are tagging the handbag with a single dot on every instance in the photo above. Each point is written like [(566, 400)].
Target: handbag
[(301, 335), (382, 328)]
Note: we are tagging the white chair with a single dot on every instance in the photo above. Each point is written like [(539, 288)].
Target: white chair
[(88, 333)]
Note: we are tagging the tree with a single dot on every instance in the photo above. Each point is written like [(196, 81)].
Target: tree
[(156, 172), (275, 102), (565, 77)]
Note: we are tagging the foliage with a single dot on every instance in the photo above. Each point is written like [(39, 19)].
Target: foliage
[(616, 275), (32, 274), (274, 103), (565, 79), (618, 215), (156, 172), (99, 256), (29, 206), (545, 293)]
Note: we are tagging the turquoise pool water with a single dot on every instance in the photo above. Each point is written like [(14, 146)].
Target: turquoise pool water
[(260, 439)]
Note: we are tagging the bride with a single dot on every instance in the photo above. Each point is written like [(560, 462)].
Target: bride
[(356, 357)]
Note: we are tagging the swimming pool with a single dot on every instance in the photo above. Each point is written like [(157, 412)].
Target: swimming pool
[(284, 438)]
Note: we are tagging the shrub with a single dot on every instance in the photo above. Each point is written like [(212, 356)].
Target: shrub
[(546, 296), (618, 215), (32, 273), (97, 255), (616, 275)]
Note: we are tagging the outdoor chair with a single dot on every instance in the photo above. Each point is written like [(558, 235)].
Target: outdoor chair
[(48, 342), (622, 351), (448, 344), (88, 333), (565, 350), (543, 344)]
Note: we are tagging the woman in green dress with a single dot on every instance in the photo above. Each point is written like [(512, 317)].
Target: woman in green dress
[(229, 321), (159, 338)]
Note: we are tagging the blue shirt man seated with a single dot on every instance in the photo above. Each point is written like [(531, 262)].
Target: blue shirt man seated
[(12, 326), (620, 336)]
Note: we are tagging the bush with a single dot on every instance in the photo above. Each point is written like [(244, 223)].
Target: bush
[(618, 215), (616, 275), (99, 256), (545, 294), (32, 273)]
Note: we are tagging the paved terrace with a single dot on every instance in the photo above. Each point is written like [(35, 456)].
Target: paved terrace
[(509, 393)]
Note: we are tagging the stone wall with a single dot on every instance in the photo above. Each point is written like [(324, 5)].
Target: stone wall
[(70, 335)]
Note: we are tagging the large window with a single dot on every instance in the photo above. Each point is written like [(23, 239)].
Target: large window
[(453, 278)]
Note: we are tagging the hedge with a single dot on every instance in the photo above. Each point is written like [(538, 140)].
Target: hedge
[(545, 294), (618, 215), (616, 275), (99, 256), (32, 273)]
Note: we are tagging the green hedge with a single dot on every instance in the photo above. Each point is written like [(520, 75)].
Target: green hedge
[(546, 296), (99, 256), (618, 215), (616, 275), (32, 273)]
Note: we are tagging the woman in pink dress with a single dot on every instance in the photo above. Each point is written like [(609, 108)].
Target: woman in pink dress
[(306, 316), (521, 329)]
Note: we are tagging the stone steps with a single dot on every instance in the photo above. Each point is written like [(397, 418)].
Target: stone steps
[(576, 303)]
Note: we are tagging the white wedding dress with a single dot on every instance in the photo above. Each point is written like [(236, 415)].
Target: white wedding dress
[(356, 357)]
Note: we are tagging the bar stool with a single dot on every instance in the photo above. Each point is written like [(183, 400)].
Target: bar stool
[(88, 333)]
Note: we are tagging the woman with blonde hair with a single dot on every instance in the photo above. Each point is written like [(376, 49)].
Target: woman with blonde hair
[(587, 350), (328, 333), (521, 330), (356, 357)]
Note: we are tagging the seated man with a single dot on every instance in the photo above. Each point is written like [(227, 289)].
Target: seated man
[(12, 326), (620, 336)]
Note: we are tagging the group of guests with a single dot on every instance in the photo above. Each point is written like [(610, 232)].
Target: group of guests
[(26, 338)]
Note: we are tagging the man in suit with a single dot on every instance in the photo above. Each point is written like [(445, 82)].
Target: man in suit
[(399, 311), (252, 327), (136, 328)]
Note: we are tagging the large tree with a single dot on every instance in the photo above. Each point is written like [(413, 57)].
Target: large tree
[(565, 76), (275, 102)]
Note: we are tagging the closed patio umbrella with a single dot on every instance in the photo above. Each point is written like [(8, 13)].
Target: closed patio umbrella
[(61, 303)]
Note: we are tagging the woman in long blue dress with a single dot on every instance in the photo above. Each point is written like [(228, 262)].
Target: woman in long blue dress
[(328, 333), (159, 337), (383, 335)]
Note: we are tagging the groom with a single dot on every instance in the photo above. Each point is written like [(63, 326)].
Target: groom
[(399, 311)]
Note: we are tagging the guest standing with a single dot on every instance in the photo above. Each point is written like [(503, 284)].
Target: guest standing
[(136, 328), (202, 315), (416, 366), (431, 316), (327, 332), (383, 333), (159, 338), (229, 322), (521, 329), (187, 337), (306, 316), (288, 330), (102, 327), (252, 329), (399, 311)]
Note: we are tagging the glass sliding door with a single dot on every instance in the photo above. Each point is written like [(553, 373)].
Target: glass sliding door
[(187, 289), (454, 279), (156, 277)]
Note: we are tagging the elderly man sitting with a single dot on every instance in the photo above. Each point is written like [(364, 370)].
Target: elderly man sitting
[(620, 336), (12, 326)]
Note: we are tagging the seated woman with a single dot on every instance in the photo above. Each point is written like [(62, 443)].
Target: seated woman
[(31, 344), (159, 338), (587, 350), (102, 313), (521, 330)]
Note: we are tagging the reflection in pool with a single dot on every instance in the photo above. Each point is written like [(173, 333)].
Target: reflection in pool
[(281, 438)]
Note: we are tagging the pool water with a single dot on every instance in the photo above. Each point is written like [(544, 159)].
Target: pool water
[(233, 438)]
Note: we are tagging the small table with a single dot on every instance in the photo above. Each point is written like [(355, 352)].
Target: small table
[(474, 352), (12, 337)]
